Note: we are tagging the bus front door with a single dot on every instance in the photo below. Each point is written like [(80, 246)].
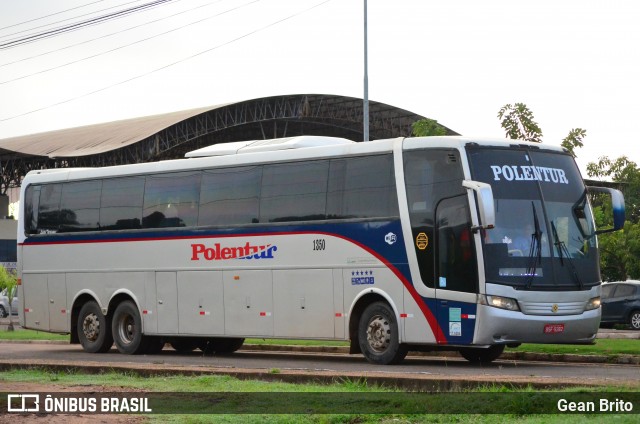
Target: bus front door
[(456, 271)]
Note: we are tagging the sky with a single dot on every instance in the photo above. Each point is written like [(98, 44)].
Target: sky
[(574, 63)]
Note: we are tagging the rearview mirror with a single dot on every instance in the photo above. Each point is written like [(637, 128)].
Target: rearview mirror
[(484, 198)]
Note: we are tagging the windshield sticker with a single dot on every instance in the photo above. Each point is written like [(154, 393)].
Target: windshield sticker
[(455, 329), (455, 314), (442, 282), (422, 241), (529, 173)]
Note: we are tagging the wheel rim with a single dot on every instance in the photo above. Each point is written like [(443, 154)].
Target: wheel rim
[(635, 321), (91, 327), (379, 333), (126, 329)]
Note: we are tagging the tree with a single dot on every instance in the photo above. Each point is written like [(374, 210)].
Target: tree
[(619, 251), (8, 283), (427, 127), (574, 140), (517, 121)]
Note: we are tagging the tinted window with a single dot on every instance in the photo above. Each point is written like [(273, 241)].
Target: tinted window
[(31, 205), (230, 196), (625, 290), (80, 206), (362, 188), (430, 176), (171, 200), (121, 203), (49, 210), (607, 290), (294, 192), (456, 256)]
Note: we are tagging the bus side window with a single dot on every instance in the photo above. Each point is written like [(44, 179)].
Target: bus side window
[(31, 205), (168, 199), (49, 208), (230, 196)]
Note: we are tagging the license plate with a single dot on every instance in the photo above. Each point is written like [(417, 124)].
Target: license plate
[(553, 328)]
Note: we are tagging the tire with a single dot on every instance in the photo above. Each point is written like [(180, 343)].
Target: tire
[(184, 345), (221, 345), (378, 335), (634, 320), (3, 312), (126, 327), (94, 329), (227, 346), (482, 355), (153, 345)]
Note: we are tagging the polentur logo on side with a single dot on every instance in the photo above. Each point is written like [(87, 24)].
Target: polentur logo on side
[(217, 252)]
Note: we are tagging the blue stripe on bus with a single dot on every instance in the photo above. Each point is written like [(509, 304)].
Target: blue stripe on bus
[(369, 235)]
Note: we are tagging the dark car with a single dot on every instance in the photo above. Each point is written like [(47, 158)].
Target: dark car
[(621, 304)]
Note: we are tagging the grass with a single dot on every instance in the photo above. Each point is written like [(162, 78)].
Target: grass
[(190, 389), (21, 334), (607, 347)]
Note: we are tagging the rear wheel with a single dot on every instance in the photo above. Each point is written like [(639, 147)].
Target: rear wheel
[(221, 345), (94, 331), (184, 345), (482, 355), (153, 345), (378, 335), (634, 320), (127, 329), (3, 312)]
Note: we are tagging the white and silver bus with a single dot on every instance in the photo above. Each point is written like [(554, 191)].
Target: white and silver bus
[(409, 243)]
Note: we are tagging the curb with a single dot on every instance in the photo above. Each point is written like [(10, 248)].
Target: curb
[(424, 383), (343, 350), (509, 356)]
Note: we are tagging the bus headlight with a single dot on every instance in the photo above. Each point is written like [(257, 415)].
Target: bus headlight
[(593, 303), (500, 302)]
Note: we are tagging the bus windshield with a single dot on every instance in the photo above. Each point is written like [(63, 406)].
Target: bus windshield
[(544, 237)]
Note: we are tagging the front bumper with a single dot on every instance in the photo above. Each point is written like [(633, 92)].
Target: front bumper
[(499, 326)]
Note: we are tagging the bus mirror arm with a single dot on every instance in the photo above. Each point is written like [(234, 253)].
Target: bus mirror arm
[(484, 198)]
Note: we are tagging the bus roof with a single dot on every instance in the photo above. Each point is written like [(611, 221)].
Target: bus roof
[(267, 151)]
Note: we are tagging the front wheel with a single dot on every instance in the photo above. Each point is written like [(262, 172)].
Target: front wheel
[(3, 313), (378, 335), (482, 355), (93, 329), (634, 320), (127, 329)]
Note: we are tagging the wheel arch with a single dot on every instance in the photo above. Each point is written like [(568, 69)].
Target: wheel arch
[(122, 296), (359, 304), (81, 298)]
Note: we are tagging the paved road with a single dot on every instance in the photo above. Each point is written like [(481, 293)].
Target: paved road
[(334, 364)]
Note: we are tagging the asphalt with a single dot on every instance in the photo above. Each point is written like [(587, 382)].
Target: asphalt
[(507, 355), (411, 382)]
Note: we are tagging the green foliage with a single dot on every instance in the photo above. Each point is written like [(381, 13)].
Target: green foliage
[(619, 251), (627, 174), (427, 127), (517, 121), (574, 140), (8, 280)]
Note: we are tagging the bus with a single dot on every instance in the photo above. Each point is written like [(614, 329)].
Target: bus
[(392, 245)]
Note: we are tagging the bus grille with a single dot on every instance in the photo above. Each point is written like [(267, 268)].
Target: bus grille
[(551, 308)]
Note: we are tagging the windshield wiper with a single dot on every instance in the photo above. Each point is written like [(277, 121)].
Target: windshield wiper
[(562, 250), (535, 249)]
